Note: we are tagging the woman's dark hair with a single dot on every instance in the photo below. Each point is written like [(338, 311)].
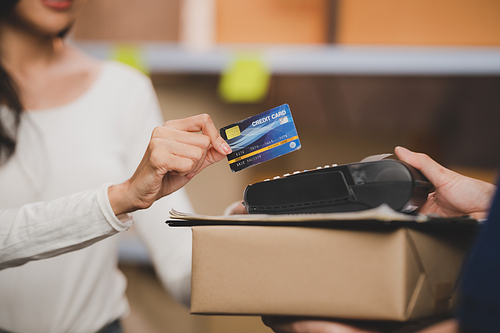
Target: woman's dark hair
[(9, 97)]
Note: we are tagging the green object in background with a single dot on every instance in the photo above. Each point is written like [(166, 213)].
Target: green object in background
[(130, 55), (246, 80)]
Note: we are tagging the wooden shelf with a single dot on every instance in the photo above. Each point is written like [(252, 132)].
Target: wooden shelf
[(316, 60)]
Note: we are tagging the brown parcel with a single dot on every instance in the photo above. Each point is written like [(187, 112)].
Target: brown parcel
[(395, 274)]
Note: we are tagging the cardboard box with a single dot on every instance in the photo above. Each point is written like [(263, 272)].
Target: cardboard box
[(393, 273), (423, 22), (273, 21), (129, 21)]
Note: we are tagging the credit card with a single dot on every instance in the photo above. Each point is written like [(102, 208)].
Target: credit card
[(261, 138)]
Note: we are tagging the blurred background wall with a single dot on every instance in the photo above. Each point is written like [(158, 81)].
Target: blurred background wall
[(448, 109)]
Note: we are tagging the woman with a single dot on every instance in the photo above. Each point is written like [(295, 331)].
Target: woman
[(75, 162)]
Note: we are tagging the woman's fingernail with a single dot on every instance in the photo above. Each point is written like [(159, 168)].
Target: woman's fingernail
[(190, 176), (226, 148)]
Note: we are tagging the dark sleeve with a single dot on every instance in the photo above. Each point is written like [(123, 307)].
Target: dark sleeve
[(479, 310)]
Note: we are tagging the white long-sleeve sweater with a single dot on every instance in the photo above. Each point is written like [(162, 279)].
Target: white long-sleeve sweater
[(54, 205)]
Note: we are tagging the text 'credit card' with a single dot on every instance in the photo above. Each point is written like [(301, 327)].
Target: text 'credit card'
[(260, 138)]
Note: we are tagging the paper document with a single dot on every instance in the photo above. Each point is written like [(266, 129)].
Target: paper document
[(381, 213)]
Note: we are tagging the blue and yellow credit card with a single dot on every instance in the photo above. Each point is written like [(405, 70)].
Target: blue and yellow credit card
[(260, 138)]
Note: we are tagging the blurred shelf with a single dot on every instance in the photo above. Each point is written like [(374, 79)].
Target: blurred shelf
[(164, 58)]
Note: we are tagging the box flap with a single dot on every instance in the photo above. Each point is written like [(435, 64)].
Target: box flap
[(439, 257)]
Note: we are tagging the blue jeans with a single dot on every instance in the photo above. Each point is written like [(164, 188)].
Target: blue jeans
[(113, 327)]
